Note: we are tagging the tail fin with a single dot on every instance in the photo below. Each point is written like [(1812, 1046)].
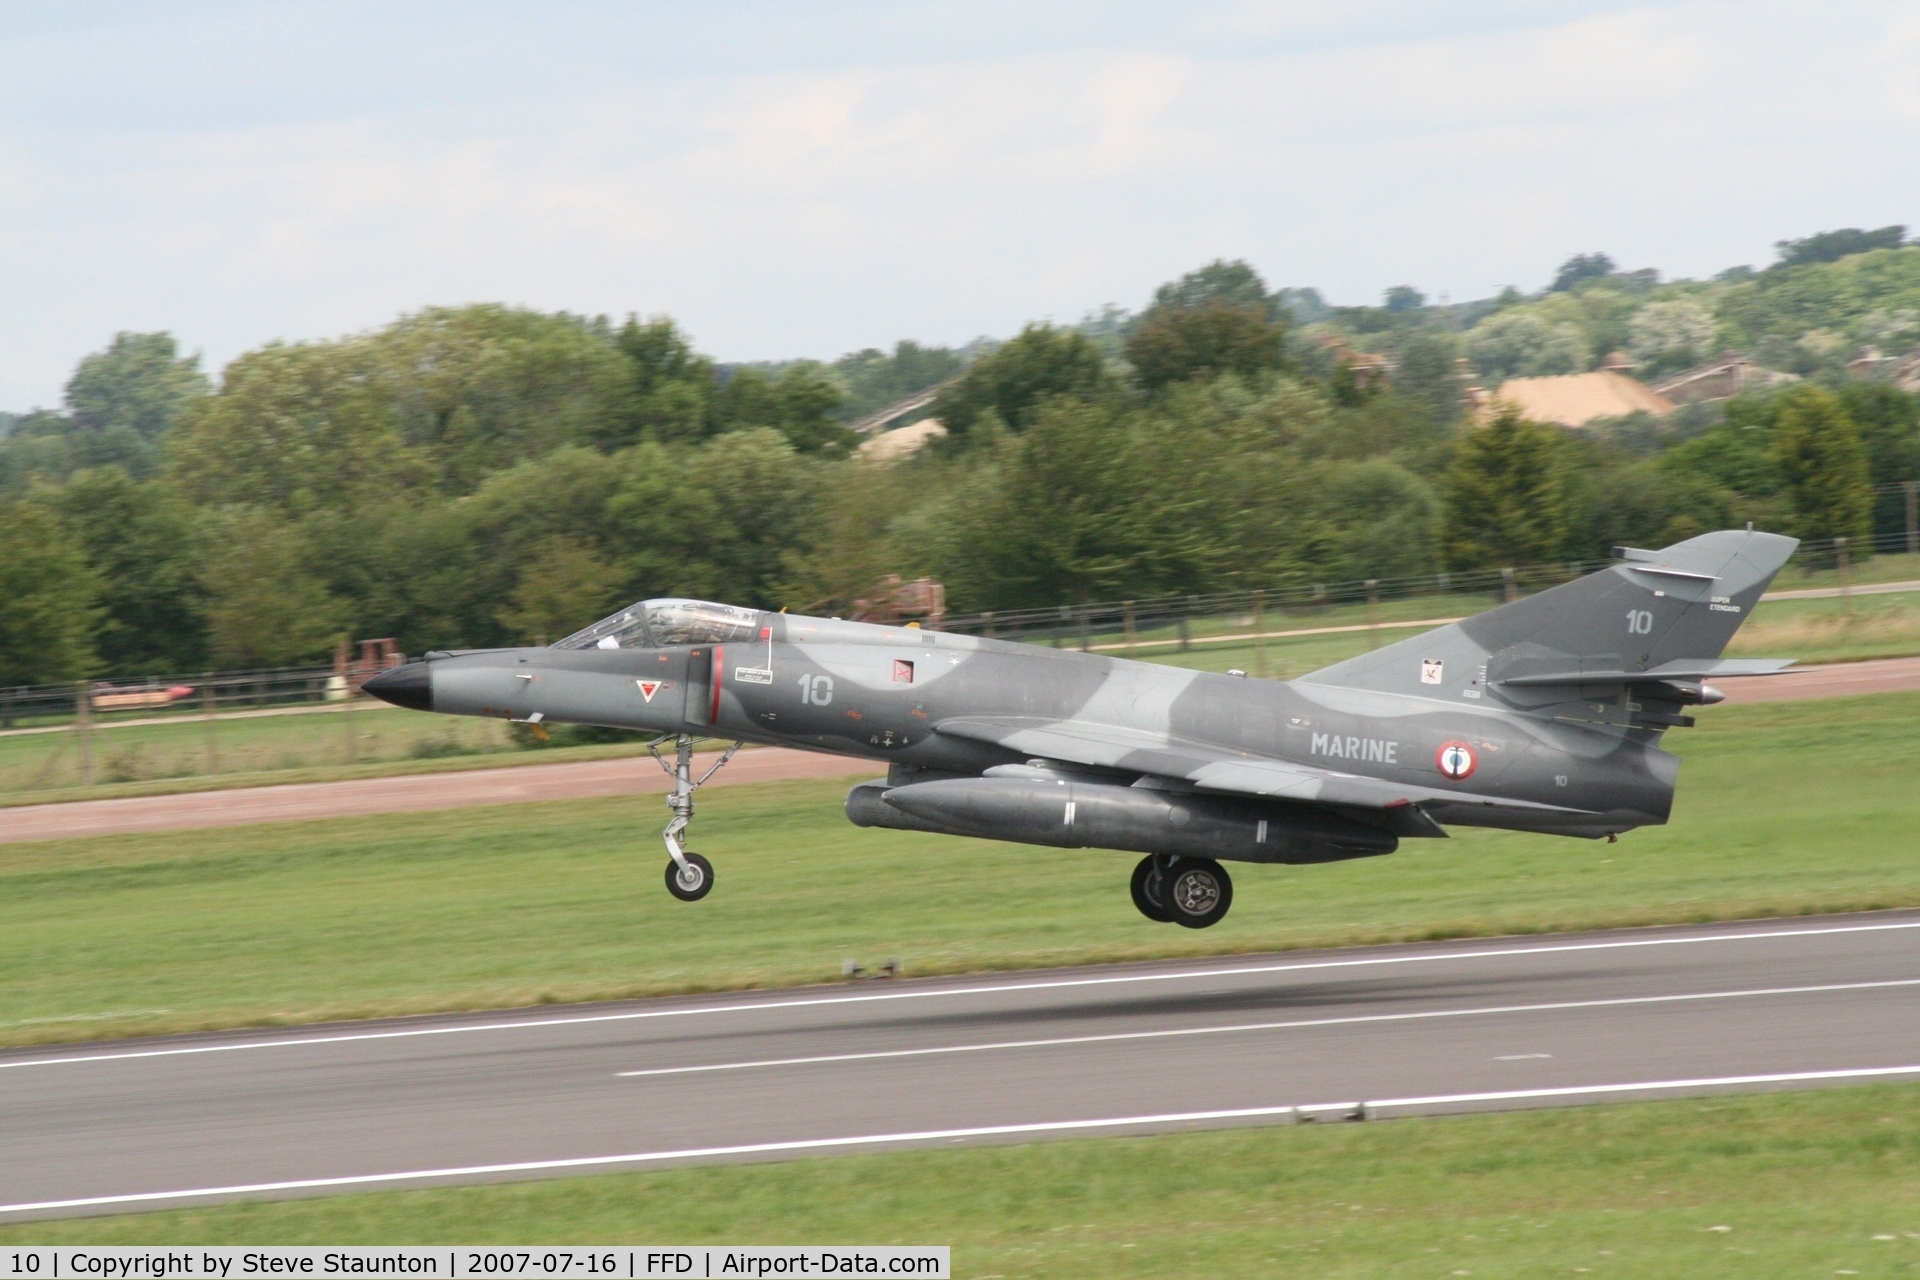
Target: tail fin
[(1666, 614)]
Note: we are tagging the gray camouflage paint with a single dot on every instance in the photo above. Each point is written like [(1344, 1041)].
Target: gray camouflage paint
[(1560, 699)]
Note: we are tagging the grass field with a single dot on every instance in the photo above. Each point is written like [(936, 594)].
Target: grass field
[(1783, 808), (1812, 1184), (47, 765)]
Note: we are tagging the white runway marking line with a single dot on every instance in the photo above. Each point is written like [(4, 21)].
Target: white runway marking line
[(946, 992), (1167, 1034), (934, 1135)]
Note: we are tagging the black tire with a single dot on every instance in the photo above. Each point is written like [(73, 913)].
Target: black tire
[(1146, 890), (698, 869), (1197, 892)]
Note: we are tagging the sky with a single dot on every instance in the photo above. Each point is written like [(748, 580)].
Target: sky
[(808, 179)]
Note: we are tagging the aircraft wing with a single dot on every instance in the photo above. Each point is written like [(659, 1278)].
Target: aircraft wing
[(1208, 768)]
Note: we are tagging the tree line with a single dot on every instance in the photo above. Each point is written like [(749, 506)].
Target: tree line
[(489, 475)]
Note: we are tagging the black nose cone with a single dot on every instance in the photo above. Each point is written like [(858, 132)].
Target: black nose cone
[(409, 686)]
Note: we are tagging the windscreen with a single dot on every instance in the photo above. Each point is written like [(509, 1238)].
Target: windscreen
[(658, 623)]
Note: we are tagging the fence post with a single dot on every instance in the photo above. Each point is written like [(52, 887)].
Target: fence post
[(1126, 624), (987, 619), (1065, 613), (1913, 515), (1513, 587), (208, 701), (1846, 586), (1259, 635), (1186, 624), (1373, 613), (1086, 628), (346, 717), (83, 728)]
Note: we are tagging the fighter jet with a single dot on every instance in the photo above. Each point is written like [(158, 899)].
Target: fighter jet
[(1543, 715)]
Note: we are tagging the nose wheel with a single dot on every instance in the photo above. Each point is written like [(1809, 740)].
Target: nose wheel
[(689, 876), (690, 879)]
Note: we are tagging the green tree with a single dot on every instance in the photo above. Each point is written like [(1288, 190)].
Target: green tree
[(139, 384), (1232, 284), (1581, 266), (798, 403), (1670, 335), (1521, 344), (1889, 422), (142, 539), (1506, 496), (478, 388), (443, 397), (519, 513), (720, 521), (1823, 468), (267, 607), (1384, 520), (48, 619), (1017, 378), (874, 379), (418, 567), (1040, 524), (1178, 343), (1428, 375), (672, 383), (296, 428), (1403, 298), (1831, 246), (1650, 504), (565, 587)]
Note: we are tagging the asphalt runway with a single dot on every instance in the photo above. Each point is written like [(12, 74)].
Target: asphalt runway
[(879, 1065)]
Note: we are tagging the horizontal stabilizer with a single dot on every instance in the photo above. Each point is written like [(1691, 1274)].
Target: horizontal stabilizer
[(1678, 669)]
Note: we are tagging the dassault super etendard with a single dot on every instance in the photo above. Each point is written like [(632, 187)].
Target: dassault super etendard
[(1541, 715)]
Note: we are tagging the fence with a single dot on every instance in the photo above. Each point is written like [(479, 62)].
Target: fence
[(167, 724), (176, 695), (1078, 625)]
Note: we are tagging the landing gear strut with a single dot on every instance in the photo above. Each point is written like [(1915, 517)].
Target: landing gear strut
[(689, 876)]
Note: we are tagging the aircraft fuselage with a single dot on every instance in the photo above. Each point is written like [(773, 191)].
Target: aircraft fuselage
[(880, 693)]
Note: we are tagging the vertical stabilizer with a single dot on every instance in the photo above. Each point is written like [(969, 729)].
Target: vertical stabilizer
[(1655, 607)]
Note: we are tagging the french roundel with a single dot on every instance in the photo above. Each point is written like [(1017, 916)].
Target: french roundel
[(1456, 760)]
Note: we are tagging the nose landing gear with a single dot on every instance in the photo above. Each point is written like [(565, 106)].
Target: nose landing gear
[(689, 876)]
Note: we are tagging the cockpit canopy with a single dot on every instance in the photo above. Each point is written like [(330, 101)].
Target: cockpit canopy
[(656, 624)]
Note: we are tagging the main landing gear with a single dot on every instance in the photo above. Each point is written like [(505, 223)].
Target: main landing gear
[(1194, 892), (689, 876)]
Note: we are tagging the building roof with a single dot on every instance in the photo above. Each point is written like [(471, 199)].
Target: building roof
[(902, 441), (1719, 379), (1575, 399)]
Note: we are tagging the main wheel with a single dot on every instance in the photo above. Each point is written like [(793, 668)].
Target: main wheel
[(1147, 894), (691, 882), (1197, 892)]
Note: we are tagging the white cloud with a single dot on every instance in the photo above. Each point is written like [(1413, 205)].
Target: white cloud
[(251, 172)]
